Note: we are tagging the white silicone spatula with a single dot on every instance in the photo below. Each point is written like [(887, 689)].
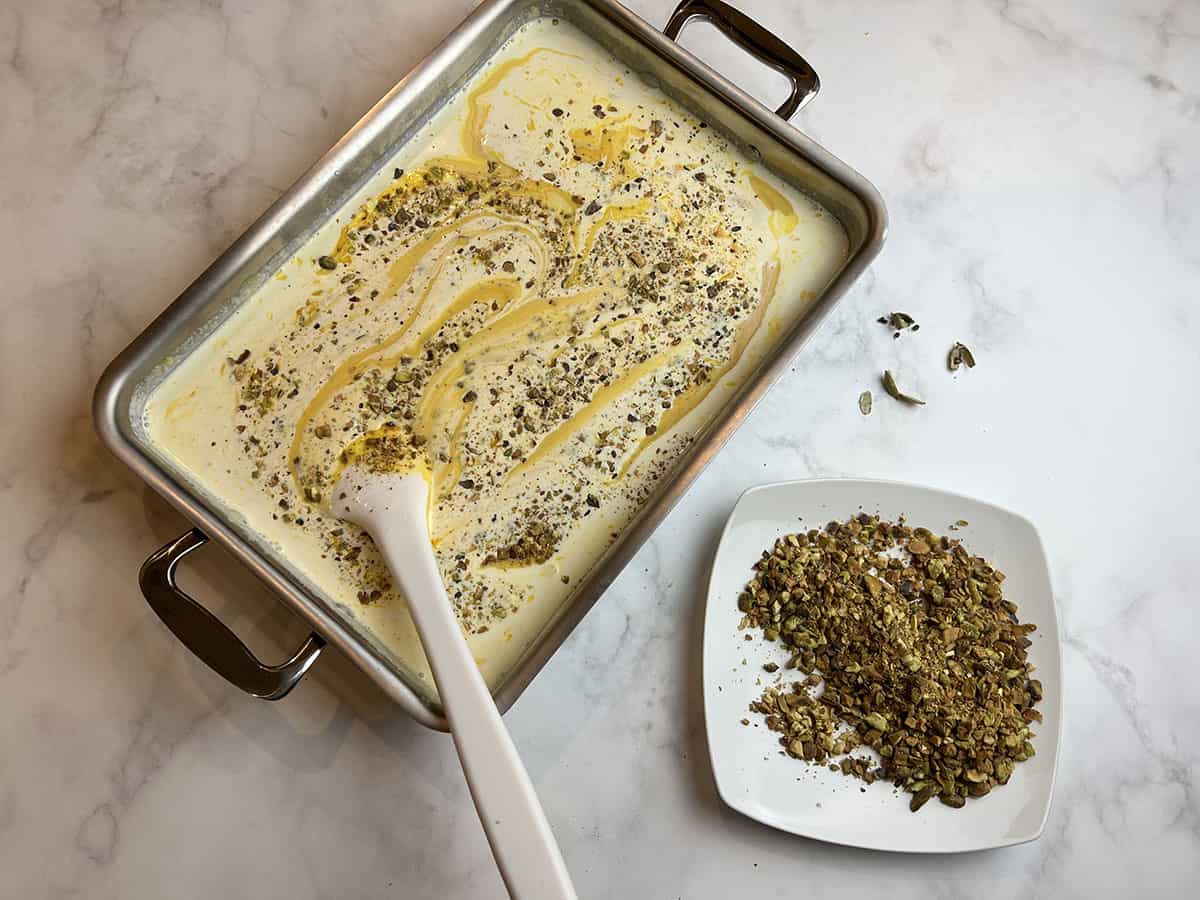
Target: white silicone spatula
[(393, 509)]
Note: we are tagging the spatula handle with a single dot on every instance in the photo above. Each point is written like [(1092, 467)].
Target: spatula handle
[(523, 844)]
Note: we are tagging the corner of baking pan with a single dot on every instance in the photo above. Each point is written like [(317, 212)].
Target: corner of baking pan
[(874, 209), (104, 405)]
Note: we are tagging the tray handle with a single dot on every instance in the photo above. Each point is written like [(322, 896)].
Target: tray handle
[(210, 638), (755, 40)]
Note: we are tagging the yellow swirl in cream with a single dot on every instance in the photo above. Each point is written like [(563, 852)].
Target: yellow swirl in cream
[(543, 299)]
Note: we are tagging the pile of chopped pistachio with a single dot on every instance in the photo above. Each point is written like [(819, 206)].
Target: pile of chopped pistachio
[(909, 648)]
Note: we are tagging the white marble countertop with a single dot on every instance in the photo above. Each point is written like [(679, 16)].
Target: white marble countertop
[(1041, 163)]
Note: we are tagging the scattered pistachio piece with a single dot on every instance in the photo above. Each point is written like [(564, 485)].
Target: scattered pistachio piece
[(889, 385), (959, 354)]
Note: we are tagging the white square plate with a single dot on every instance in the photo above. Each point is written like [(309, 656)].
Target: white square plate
[(754, 776)]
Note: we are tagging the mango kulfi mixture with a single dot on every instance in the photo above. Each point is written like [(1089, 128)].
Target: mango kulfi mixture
[(545, 296)]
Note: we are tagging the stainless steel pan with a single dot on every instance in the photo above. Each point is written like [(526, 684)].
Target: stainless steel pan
[(126, 384)]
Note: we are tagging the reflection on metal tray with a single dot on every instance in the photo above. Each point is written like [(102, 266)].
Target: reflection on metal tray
[(233, 278)]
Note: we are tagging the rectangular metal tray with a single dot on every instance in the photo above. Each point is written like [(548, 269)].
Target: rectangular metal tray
[(130, 379)]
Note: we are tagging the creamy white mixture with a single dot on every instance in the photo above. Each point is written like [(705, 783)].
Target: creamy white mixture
[(545, 297)]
